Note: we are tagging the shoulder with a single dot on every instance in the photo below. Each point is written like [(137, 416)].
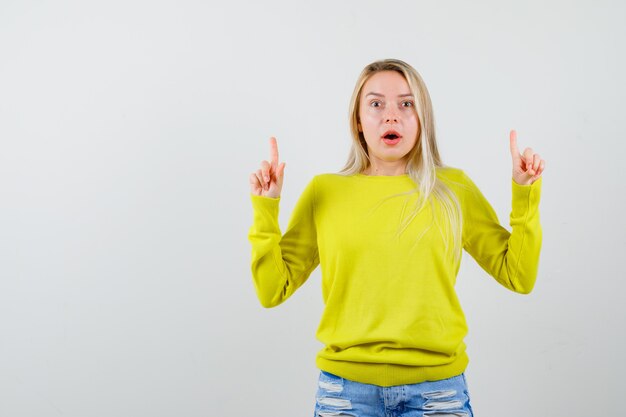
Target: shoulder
[(452, 175), (330, 176), (327, 186), (329, 179), (457, 179), (323, 182), (448, 172)]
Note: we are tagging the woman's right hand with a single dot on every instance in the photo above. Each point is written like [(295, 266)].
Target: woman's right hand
[(268, 181)]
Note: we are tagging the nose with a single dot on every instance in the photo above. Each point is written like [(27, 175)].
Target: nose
[(391, 116)]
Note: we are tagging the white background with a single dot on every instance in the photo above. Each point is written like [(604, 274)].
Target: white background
[(128, 130)]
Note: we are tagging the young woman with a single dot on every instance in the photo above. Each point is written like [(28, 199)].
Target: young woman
[(388, 231)]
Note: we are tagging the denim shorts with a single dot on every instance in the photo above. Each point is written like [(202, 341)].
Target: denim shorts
[(337, 396)]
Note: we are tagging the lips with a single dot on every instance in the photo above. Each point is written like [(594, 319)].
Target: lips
[(391, 134)]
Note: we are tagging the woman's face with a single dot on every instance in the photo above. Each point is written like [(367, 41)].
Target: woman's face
[(387, 108)]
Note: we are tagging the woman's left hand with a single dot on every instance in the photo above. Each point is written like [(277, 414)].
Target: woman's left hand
[(527, 167)]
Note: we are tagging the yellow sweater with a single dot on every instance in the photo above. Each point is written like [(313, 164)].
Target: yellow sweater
[(391, 313)]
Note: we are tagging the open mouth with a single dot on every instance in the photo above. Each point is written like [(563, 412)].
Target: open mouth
[(391, 135)]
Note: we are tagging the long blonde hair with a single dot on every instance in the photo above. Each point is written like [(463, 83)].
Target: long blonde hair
[(423, 159)]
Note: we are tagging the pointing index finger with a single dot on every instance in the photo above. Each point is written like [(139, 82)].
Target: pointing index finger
[(513, 144), (273, 151)]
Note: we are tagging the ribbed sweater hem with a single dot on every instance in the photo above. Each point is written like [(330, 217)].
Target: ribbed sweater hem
[(387, 375)]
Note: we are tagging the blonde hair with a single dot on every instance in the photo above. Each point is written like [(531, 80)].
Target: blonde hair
[(422, 161)]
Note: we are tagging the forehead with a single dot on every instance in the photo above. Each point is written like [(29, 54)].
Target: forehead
[(387, 83)]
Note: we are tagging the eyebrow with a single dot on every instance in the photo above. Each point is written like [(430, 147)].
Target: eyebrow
[(382, 95)]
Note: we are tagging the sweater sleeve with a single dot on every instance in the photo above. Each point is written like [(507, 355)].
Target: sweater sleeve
[(282, 263), (512, 258)]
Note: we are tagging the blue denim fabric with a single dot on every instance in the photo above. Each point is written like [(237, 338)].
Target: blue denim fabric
[(338, 396)]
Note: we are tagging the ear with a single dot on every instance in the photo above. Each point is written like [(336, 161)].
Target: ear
[(359, 126)]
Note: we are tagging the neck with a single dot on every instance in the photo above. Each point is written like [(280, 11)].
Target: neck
[(386, 168)]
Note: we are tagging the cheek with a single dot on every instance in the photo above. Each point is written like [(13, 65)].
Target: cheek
[(368, 122), (414, 123), (370, 116)]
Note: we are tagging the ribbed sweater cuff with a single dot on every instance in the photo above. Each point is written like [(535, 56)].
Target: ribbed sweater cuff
[(265, 206), (526, 196)]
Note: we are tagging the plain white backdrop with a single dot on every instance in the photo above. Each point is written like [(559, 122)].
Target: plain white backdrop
[(128, 130)]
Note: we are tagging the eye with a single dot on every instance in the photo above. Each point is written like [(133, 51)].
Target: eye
[(375, 103), (407, 103)]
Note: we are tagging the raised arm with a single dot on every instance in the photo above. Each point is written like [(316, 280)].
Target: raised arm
[(280, 264), (512, 258)]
